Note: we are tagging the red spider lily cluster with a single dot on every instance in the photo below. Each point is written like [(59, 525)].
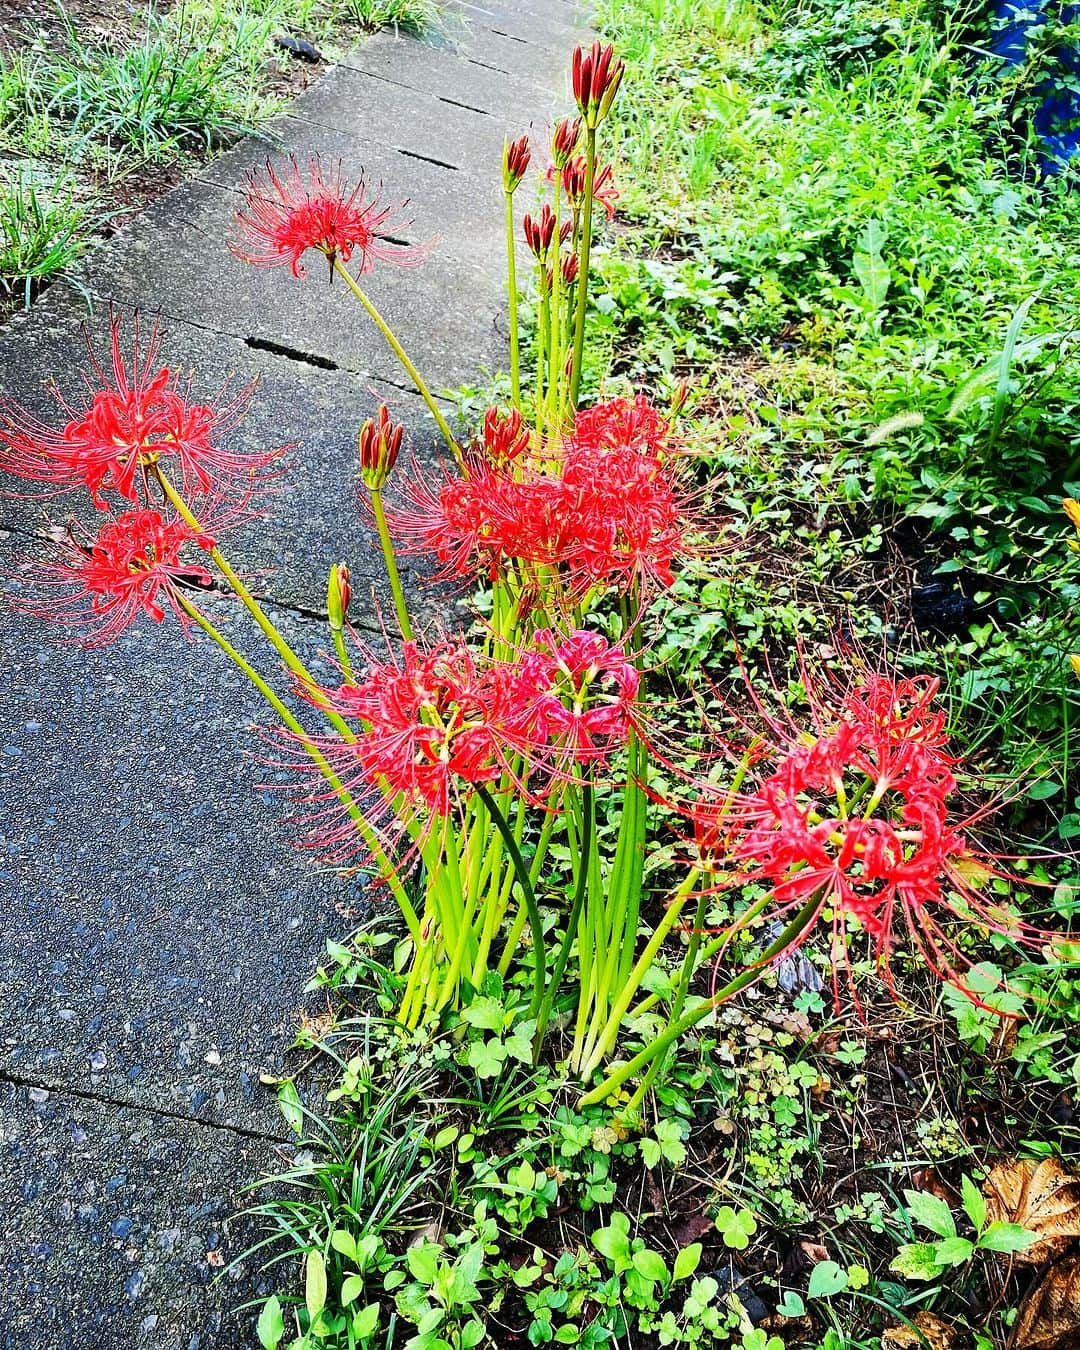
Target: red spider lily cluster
[(293, 210), (135, 432), (614, 511), (861, 816), (472, 753), (438, 719)]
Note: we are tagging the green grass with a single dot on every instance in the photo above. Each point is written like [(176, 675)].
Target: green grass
[(43, 230)]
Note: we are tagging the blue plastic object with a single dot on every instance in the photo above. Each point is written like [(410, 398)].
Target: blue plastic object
[(1056, 120)]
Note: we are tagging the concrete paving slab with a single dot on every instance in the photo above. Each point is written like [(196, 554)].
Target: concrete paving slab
[(401, 119), (118, 1223), (173, 258), (443, 74), (313, 518), (160, 922), (535, 52)]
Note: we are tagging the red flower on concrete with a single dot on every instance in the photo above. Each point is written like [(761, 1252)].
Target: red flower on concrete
[(98, 584), (136, 414), (288, 212), (859, 814)]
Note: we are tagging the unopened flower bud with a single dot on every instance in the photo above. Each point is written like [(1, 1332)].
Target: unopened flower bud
[(338, 596), (516, 156), (505, 435), (379, 443), (570, 267), (540, 231), (679, 397), (565, 140), (597, 74)]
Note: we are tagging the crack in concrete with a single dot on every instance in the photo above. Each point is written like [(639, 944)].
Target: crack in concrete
[(81, 1094)]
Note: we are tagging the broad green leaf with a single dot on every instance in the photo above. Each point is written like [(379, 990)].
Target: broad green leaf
[(651, 1264), (953, 1251), (826, 1279), (315, 1284), (343, 1242), (687, 1260), (291, 1106), (1007, 1237), (915, 1261), (271, 1325), (974, 1202), (932, 1212), (365, 1321), (351, 1288)]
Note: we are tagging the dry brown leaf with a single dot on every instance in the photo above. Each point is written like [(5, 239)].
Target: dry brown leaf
[(937, 1334), (1041, 1196), (814, 1252), (1050, 1315)]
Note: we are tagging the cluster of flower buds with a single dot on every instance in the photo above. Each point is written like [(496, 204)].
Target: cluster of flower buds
[(506, 436), (379, 443), (597, 74), (516, 156), (565, 140)]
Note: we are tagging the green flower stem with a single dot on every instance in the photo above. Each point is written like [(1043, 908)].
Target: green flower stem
[(511, 286), (602, 1043), (555, 378), (318, 759), (543, 339), (571, 923), (294, 663), (796, 928), (583, 266), (342, 652), (396, 589), (399, 351), (528, 895)]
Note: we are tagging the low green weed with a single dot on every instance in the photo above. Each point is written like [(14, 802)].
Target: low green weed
[(43, 231)]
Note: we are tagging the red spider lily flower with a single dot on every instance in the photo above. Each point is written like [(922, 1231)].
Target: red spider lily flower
[(634, 424), (506, 436), (289, 213), (616, 516), (516, 156), (860, 816), (137, 415), (379, 444), (431, 722), (573, 181), (597, 74), (583, 691), (98, 584), (539, 231), (564, 142)]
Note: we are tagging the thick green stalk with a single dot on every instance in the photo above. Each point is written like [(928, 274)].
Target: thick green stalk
[(571, 922), (396, 589), (511, 284), (399, 351), (528, 895), (583, 266), (797, 927), (602, 1041)]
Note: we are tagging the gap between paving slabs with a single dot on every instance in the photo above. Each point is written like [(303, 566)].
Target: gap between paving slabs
[(145, 989)]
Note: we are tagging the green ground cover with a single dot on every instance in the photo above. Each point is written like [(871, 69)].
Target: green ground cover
[(830, 227), (94, 123)]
